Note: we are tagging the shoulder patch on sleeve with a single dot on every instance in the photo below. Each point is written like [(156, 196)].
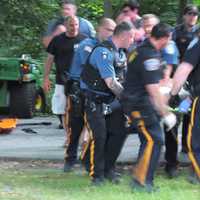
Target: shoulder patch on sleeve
[(104, 55), (88, 48), (152, 64), (193, 42), (170, 48), (132, 56), (76, 46)]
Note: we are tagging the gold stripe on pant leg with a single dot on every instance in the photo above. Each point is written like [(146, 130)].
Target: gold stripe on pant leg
[(69, 130), (189, 139), (92, 146), (141, 169), (85, 145)]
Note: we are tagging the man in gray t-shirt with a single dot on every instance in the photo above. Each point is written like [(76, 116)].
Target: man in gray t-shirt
[(55, 26)]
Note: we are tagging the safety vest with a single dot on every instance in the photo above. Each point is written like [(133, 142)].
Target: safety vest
[(184, 37), (91, 76)]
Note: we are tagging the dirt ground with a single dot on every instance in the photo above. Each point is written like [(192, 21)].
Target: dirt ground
[(27, 164), (7, 164)]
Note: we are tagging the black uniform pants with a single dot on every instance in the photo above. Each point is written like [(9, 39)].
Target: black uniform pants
[(171, 143), (193, 137), (108, 134), (75, 123), (151, 141), (171, 150), (186, 121)]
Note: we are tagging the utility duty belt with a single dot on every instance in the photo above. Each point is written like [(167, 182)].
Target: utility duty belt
[(98, 98), (91, 75), (107, 105)]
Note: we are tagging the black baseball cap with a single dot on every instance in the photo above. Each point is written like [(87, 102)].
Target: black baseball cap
[(191, 8)]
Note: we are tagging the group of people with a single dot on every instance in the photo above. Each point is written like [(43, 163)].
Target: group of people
[(121, 79)]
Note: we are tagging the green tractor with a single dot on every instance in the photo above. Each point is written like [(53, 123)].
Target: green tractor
[(21, 93)]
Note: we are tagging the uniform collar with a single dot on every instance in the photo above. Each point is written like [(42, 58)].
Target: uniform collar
[(193, 29), (97, 40), (113, 45), (147, 42)]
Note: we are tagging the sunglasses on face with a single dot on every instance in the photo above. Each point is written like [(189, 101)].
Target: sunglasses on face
[(126, 10), (192, 13)]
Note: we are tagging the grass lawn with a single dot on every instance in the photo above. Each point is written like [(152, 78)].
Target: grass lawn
[(48, 182)]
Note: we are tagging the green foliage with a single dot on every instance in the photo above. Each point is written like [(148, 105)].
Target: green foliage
[(22, 23), (166, 10), (91, 10)]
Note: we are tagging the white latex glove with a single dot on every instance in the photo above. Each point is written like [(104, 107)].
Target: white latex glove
[(169, 120)]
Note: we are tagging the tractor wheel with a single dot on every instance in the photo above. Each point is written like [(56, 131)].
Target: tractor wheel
[(22, 100), (40, 101)]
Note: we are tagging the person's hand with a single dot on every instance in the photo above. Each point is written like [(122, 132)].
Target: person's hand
[(166, 82), (46, 85), (169, 120)]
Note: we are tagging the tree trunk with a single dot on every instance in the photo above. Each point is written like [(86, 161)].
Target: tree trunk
[(108, 8)]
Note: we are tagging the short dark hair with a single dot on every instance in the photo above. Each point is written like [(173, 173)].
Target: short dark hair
[(103, 20), (161, 30), (73, 2), (132, 4), (122, 27), (190, 8)]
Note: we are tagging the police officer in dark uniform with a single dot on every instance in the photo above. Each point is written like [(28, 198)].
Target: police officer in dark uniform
[(145, 105), (100, 84), (170, 57), (183, 34), (76, 99), (189, 70)]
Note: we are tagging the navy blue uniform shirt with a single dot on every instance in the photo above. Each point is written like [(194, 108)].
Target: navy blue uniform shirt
[(144, 68), (183, 37)]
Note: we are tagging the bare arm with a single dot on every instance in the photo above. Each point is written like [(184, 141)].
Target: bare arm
[(48, 65), (158, 100), (181, 76), (47, 39), (114, 86)]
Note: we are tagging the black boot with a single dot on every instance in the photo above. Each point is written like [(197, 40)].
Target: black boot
[(112, 176), (97, 181), (171, 171)]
